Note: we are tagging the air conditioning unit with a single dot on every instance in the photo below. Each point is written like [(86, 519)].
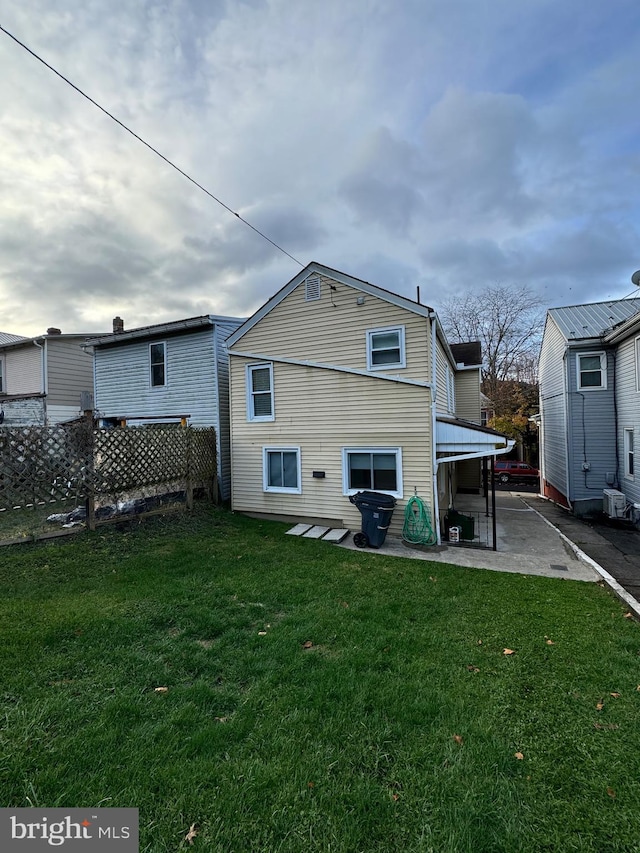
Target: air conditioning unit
[(614, 503)]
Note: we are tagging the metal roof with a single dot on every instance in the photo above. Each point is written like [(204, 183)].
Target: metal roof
[(6, 338), (580, 322)]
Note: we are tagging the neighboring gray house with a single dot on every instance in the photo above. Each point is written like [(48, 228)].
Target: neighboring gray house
[(167, 373), (589, 403), (44, 380)]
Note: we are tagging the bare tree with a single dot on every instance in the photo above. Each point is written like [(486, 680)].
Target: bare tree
[(508, 321)]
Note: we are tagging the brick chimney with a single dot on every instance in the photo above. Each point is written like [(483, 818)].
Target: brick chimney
[(53, 331), (118, 325)]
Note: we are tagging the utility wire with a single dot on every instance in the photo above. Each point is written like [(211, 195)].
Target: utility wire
[(150, 147)]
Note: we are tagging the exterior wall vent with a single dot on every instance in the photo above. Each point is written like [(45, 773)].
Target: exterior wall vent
[(312, 288), (613, 503)]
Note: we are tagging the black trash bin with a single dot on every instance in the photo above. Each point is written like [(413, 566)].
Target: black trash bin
[(376, 510)]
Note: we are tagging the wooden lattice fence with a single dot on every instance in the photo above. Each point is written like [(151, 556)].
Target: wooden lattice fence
[(79, 464)]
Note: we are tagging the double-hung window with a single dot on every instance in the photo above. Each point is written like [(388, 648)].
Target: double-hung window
[(378, 469), (592, 371), (158, 364), (260, 392), (629, 468), (281, 469), (385, 348)]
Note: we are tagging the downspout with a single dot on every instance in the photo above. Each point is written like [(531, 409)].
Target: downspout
[(44, 383), (434, 463), (567, 385)]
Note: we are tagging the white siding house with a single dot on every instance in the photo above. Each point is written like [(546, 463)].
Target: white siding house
[(587, 395), (167, 373), (339, 386), (43, 380)]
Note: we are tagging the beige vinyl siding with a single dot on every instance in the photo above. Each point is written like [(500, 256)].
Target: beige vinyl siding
[(23, 368), (70, 371), (321, 412), (333, 329), (468, 395)]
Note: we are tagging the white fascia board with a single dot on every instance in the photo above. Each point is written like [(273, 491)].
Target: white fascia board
[(278, 359)]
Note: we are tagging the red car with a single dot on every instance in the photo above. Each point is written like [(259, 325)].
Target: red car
[(510, 470)]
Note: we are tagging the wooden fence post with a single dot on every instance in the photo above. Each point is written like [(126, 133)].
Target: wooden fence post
[(189, 467), (90, 494)]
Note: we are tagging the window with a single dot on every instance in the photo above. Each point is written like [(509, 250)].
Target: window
[(157, 362), (628, 454), (592, 371), (260, 392), (281, 469), (372, 468), (312, 288), (385, 348)]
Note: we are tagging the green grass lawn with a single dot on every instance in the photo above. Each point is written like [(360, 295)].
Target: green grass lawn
[(316, 699)]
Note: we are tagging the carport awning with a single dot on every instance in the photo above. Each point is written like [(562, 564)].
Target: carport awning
[(459, 438)]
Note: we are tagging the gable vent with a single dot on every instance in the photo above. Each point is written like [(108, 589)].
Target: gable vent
[(312, 288)]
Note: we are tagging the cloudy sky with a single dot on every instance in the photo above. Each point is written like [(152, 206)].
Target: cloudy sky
[(450, 144)]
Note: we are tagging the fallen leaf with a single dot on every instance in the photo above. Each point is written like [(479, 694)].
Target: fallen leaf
[(432, 579), (508, 652), (310, 784), (611, 793), (616, 695), (262, 633), (191, 834), (600, 705), (610, 727), (638, 687), (458, 739), (161, 690), (221, 719), (519, 756), (473, 668), (628, 615), (345, 604), (395, 797), (550, 643), (479, 642), (307, 645)]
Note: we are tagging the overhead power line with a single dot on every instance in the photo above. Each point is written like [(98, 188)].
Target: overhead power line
[(150, 147)]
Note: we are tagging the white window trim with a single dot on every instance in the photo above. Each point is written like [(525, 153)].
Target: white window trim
[(401, 337), (163, 344), (603, 371), (626, 433), (251, 416), (345, 469), (637, 359), (265, 470)]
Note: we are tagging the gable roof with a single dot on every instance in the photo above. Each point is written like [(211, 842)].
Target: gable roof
[(174, 327), (343, 278), (583, 322)]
